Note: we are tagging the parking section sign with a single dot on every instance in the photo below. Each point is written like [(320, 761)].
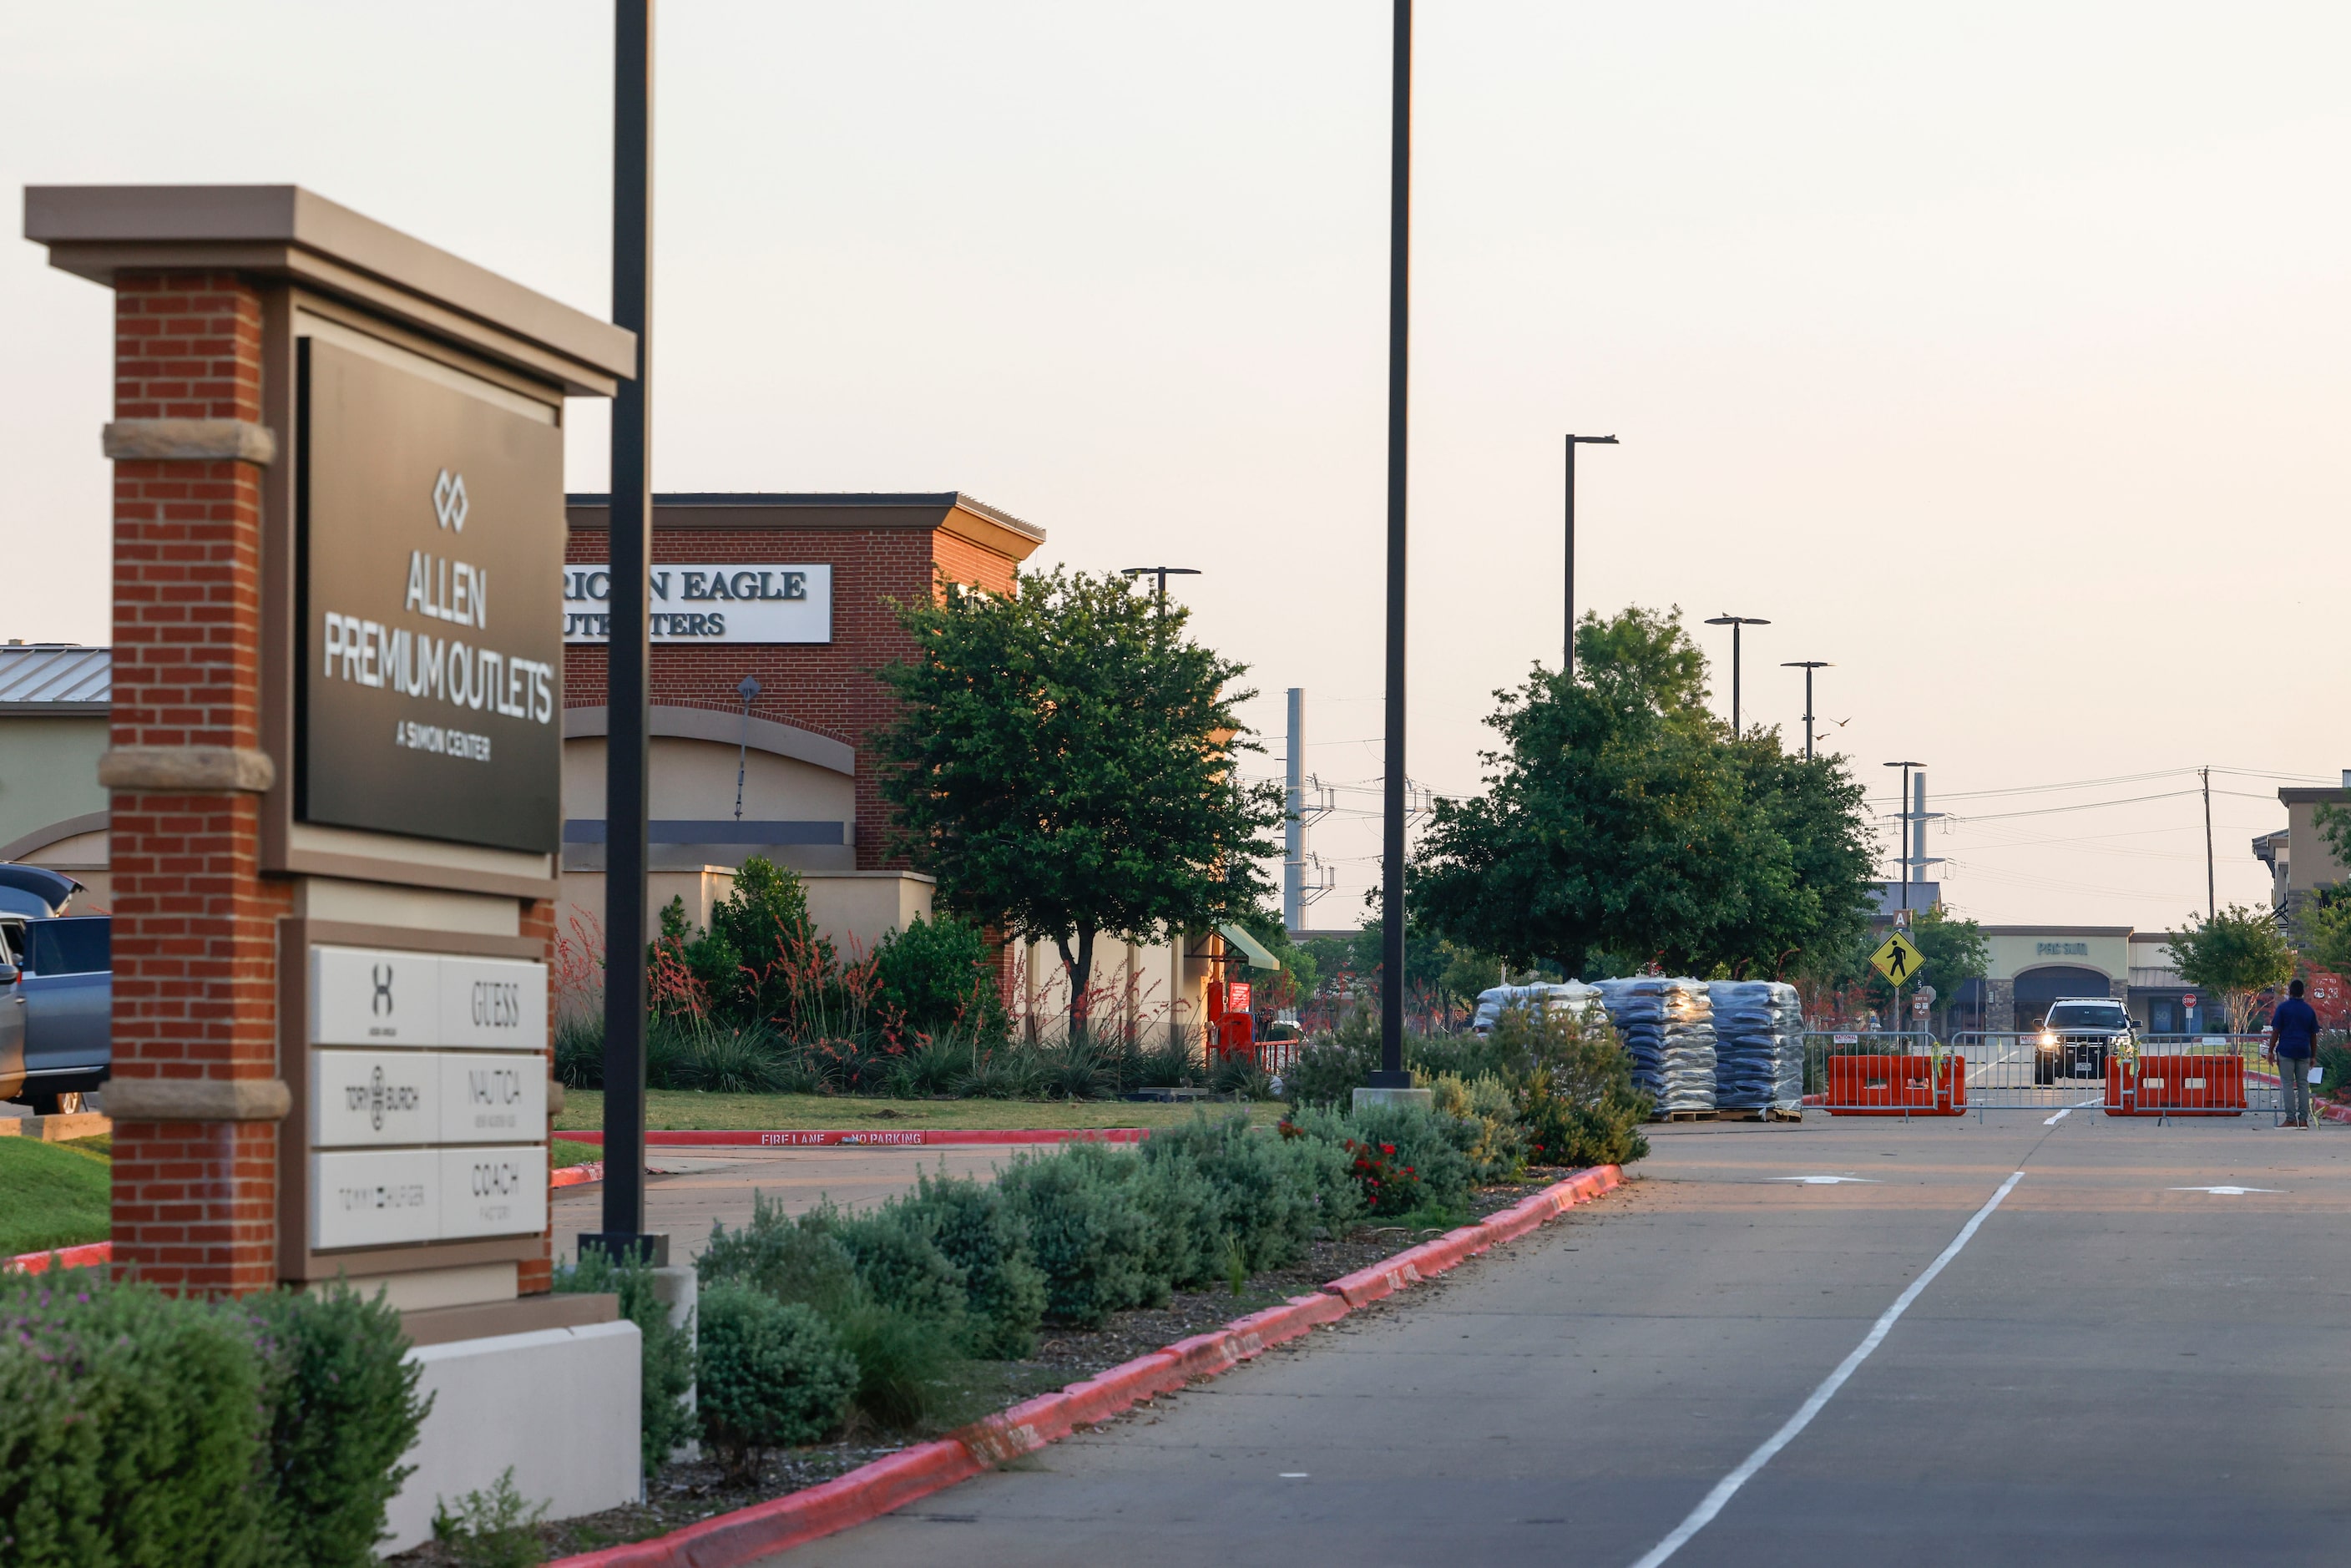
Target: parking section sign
[(710, 601), (429, 529)]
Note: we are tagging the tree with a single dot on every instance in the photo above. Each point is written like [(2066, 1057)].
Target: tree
[(2237, 955), (1622, 816), (1062, 759)]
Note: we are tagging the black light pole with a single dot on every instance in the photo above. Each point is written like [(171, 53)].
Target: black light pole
[(1905, 862), (1808, 666), (1734, 622), (1163, 573), (1567, 660), (627, 671), (1392, 1073)]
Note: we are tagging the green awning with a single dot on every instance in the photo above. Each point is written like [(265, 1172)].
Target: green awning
[(1238, 937)]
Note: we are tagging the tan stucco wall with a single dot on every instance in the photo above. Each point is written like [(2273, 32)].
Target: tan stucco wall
[(2310, 861), (695, 779), (2009, 954), (48, 772)]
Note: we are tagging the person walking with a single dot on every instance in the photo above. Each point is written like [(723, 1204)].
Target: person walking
[(2293, 1044)]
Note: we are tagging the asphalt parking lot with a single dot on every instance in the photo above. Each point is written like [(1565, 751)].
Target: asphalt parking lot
[(2121, 1365)]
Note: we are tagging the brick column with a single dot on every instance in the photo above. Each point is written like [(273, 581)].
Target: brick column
[(195, 934)]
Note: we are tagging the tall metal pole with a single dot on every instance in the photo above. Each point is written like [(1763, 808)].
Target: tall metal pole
[(2211, 896), (1392, 1073), (1735, 730), (627, 784), (1736, 623), (1808, 666), (1293, 827), (1567, 659)]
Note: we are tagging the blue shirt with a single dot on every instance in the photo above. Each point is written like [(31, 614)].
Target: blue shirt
[(2295, 1027)]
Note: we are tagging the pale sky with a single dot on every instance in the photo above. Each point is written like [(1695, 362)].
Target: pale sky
[(1991, 353)]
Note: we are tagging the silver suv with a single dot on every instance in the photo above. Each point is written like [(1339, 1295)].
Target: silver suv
[(2077, 1037)]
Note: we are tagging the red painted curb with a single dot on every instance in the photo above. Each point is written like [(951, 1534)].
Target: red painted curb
[(916, 1138), (2334, 1113), (82, 1257), (577, 1175), (871, 1491)]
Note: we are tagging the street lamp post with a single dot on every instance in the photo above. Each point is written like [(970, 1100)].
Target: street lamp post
[(1808, 666), (628, 668), (1392, 1073), (1567, 660), (1734, 622), (1163, 573)]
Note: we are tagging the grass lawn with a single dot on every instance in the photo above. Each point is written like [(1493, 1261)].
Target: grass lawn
[(682, 1110), (562, 1152), (53, 1195)]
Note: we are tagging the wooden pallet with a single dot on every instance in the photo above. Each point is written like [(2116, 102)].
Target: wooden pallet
[(1685, 1116), (1756, 1113)]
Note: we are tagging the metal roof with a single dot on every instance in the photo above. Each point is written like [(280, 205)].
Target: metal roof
[(55, 679)]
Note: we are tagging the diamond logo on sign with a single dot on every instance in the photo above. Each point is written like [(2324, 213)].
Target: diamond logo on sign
[(449, 500)]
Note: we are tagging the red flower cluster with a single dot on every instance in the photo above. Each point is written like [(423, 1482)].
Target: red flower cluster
[(1388, 1187)]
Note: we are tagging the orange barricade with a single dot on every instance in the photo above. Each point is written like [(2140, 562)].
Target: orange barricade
[(2176, 1086), (1898, 1085)]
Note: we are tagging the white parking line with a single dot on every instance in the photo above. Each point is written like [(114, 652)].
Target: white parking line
[(1728, 1488), (2069, 1111)]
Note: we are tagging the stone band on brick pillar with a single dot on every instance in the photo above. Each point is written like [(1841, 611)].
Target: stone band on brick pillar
[(194, 1038)]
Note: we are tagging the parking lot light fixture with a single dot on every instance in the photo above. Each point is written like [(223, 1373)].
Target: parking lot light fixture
[(1734, 622)]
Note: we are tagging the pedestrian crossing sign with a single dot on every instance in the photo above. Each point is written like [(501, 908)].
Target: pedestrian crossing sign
[(1898, 961)]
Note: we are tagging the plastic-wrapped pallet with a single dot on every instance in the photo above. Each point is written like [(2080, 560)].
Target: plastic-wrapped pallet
[(1759, 1045), (1568, 996), (1668, 1027)]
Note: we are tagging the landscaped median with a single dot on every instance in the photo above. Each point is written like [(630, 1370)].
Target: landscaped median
[(916, 1472)]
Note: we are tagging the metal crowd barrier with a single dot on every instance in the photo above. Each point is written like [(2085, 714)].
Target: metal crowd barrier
[(2161, 1075), (1872, 1072)]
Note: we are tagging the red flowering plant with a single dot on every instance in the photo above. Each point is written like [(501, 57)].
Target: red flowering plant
[(1388, 1187)]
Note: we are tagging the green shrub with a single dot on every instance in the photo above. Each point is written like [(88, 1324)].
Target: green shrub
[(1465, 1056), (1091, 1238), (493, 1529), (1193, 1240), (1329, 1068), (580, 1050), (666, 1348), (1560, 1131), (1432, 1149), (899, 1361), (974, 1226), (782, 1258), (132, 1428), (343, 1409), (899, 1262), (1076, 1068), (724, 1059), (1572, 1086), (772, 1374), (1001, 1072), (1266, 1194), (939, 975), (1165, 1065), (1500, 1150)]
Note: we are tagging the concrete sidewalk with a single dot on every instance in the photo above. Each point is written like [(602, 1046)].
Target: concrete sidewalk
[(2111, 1372)]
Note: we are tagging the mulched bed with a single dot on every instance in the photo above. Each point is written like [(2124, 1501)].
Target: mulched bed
[(688, 1492)]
